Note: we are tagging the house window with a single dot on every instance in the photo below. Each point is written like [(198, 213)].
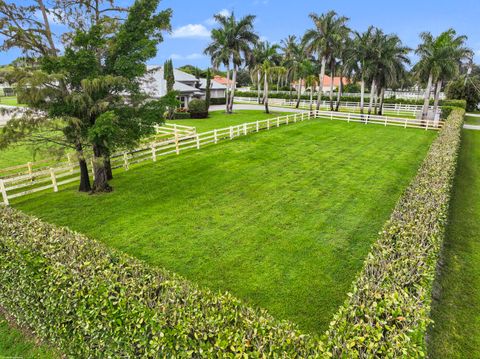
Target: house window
[(183, 101)]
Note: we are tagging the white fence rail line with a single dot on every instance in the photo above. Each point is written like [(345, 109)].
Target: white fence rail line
[(54, 177), (398, 109)]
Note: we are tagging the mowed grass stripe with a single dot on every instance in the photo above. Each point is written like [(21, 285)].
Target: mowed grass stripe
[(283, 219), (456, 332)]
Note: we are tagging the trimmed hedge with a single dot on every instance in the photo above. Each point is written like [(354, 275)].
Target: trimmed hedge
[(388, 310), (181, 115), (94, 302), (455, 103), (218, 101), (198, 108)]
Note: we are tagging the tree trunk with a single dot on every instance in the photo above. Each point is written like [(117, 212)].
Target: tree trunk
[(84, 177), (259, 79), (332, 76), (265, 90), (100, 184), (426, 100), (362, 95), (372, 94), (321, 76), (234, 85), (227, 107), (311, 98), (435, 103), (339, 94), (375, 111), (299, 92), (382, 99), (108, 167)]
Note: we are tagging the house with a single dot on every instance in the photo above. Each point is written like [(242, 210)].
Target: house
[(188, 86), (327, 82), (222, 80)]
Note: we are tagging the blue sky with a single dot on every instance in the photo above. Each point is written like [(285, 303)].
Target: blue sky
[(192, 21)]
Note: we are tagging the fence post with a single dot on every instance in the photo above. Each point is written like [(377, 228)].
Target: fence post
[(257, 126), (268, 124), (231, 132), (278, 122), (69, 158), (348, 121), (406, 123), (215, 136), (125, 161), (177, 147), (366, 118), (154, 152), (198, 141), (54, 180), (245, 129), (286, 120), (426, 127), (4, 193)]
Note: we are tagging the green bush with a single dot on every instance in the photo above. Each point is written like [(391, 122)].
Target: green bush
[(218, 101), (455, 103), (91, 301), (198, 108), (181, 115), (468, 91), (388, 310)]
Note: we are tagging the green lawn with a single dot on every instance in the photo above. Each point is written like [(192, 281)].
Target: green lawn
[(282, 219), (219, 119), (472, 120), (10, 100), (456, 333), (14, 344)]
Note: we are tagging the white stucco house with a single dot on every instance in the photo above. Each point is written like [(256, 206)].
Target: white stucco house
[(188, 86)]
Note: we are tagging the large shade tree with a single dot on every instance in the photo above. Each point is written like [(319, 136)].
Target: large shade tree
[(91, 90)]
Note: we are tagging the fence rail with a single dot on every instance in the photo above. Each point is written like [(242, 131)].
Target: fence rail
[(393, 109), (64, 173)]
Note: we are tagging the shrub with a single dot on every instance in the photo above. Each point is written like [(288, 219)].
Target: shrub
[(468, 91), (181, 115), (91, 301), (218, 101), (388, 310), (198, 108), (446, 111), (455, 103)]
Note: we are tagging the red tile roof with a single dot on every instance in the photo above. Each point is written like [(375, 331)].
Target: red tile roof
[(222, 80)]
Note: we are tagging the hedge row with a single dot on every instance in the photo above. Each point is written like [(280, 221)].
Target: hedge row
[(454, 103), (90, 301), (388, 310)]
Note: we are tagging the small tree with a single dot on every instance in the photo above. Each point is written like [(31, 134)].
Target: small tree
[(169, 75)]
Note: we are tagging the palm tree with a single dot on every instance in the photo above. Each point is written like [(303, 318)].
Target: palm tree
[(357, 59), (321, 40), (235, 38), (269, 67), (293, 60), (440, 59), (386, 63)]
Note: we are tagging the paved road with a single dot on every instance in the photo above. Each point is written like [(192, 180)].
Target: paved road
[(254, 107)]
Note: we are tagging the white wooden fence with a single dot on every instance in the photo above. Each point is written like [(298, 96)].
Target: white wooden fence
[(389, 108), (64, 173)]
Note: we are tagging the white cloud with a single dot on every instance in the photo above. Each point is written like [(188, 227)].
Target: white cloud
[(212, 21), (193, 56), (191, 30)]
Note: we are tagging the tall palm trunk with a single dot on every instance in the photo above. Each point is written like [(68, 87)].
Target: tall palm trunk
[(372, 94), (362, 95), (234, 85), (311, 97), (436, 101), (339, 94), (321, 77), (227, 107), (299, 92), (265, 91), (382, 99), (259, 79), (332, 76), (376, 101), (426, 100)]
